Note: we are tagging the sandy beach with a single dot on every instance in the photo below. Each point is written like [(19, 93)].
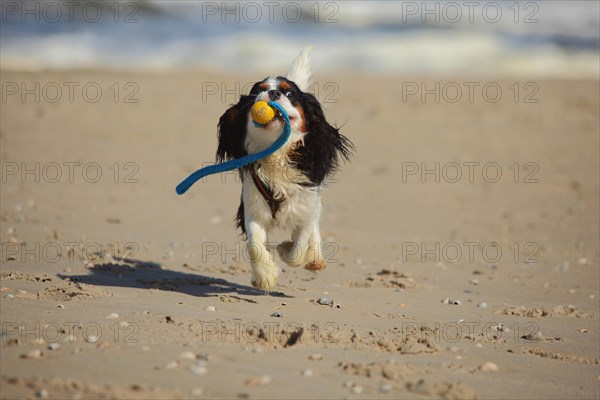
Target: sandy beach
[(462, 244)]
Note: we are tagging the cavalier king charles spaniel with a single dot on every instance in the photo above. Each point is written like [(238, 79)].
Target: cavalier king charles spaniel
[(284, 189)]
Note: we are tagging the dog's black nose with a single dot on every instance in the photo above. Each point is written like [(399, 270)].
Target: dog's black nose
[(274, 95)]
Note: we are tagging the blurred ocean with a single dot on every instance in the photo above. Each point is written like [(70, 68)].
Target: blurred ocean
[(543, 39)]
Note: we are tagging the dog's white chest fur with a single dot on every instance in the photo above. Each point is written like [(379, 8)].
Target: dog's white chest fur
[(298, 206)]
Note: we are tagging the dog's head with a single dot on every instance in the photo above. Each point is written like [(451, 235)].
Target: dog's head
[(313, 145), (238, 135)]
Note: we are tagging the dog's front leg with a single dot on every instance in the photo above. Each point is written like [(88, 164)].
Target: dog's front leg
[(264, 270)]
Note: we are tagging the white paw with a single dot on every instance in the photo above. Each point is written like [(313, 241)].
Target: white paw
[(291, 254), (264, 275)]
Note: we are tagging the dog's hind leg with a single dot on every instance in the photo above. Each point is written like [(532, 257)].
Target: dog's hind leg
[(305, 247)]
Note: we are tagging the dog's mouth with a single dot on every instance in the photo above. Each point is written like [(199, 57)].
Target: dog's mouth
[(279, 117)]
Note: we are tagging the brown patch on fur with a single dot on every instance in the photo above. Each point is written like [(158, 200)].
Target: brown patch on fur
[(283, 85), (315, 266), (264, 86), (294, 148)]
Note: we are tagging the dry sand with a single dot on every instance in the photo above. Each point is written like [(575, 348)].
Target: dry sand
[(167, 258)]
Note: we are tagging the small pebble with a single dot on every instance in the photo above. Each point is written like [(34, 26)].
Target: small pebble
[(33, 354), (103, 345), (582, 261), (187, 355), (325, 301), (483, 304), (348, 384), (60, 306), (277, 314), (385, 388), (501, 328), (171, 365), (338, 306), (307, 372), (452, 302), (91, 339), (53, 346), (22, 291), (357, 389), (42, 393), (210, 308), (535, 336), (474, 281), (259, 381), (199, 368), (488, 366), (315, 357), (112, 316), (453, 349), (9, 296)]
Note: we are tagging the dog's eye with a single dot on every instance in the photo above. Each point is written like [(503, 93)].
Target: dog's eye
[(289, 95)]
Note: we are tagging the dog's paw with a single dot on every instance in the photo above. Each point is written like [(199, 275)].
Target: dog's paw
[(291, 254), (316, 266), (264, 276)]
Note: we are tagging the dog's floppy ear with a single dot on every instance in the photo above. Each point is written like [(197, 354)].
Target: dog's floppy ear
[(232, 131), (324, 147)]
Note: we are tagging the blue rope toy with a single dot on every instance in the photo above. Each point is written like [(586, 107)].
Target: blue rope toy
[(240, 162)]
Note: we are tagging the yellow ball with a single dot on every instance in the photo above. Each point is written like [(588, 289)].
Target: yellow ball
[(262, 112)]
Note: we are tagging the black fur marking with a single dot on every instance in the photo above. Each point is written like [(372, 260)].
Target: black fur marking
[(324, 147), (231, 136), (232, 130)]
